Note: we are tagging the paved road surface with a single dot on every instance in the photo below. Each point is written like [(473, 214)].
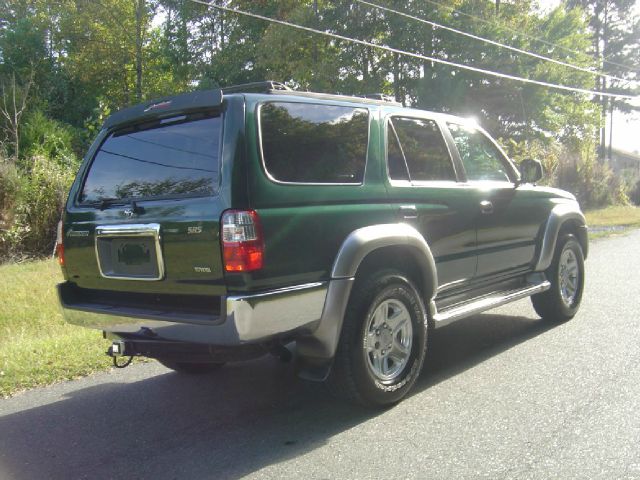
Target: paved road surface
[(504, 396)]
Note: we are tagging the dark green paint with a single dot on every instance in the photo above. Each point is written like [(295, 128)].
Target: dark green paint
[(305, 225)]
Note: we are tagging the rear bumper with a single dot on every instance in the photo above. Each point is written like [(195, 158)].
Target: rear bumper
[(241, 319)]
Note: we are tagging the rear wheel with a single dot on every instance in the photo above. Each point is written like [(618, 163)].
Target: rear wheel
[(383, 342), (566, 274), (192, 368)]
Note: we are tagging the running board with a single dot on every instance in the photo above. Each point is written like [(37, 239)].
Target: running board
[(487, 302)]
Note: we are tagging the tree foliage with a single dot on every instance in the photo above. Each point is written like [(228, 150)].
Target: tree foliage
[(75, 61)]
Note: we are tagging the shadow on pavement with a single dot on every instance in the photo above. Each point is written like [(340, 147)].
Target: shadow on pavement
[(226, 425)]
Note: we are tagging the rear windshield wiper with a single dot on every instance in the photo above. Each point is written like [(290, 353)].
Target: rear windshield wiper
[(103, 203), (106, 202)]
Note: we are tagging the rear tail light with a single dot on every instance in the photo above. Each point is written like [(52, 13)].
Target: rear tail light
[(60, 244), (242, 241)]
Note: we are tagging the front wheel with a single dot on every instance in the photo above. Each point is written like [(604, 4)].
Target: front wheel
[(566, 274), (383, 342)]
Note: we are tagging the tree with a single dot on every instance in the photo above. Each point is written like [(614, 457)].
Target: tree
[(13, 107), (615, 38)]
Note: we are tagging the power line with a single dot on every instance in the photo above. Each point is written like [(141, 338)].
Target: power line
[(526, 35), (491, 42), (417, 55)]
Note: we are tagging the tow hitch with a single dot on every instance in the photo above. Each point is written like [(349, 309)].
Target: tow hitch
[(122, 351), (117, 350)]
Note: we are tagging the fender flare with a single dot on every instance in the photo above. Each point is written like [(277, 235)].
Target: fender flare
[(559, 216), (319, 348), (364, 241)]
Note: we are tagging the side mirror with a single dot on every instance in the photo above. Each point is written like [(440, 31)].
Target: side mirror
[(531, 171)]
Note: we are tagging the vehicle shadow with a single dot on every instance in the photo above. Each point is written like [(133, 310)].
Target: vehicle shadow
[(226, 425)]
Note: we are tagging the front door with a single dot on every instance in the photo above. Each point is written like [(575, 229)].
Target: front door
[(508, 221)]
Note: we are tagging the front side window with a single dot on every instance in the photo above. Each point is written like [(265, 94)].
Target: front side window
[(480, 157), (417, 145), (174, 157), (312, 143)]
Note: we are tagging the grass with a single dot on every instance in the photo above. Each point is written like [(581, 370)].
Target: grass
[(37, 347), (601, 220), (618, 215)]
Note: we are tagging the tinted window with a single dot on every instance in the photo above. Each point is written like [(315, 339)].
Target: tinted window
[(481, 159), (395, 157), (424, 149), (179, 158), (306, 143)]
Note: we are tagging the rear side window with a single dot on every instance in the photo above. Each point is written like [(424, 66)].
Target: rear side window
[(175, 157), (417, 144), (309, 143)]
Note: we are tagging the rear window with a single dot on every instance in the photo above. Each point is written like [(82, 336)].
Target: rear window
[(310, 143), (173, 157)]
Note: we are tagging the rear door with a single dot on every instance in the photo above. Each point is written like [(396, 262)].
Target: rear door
[(144, 216), (425, 192)]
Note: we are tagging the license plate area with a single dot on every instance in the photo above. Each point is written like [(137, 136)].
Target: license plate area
[(130, 252)]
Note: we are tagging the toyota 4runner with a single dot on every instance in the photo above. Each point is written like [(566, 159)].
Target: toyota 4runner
[(221, 225)]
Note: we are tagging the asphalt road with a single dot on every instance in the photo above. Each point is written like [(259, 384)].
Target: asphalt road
[(503, 396)]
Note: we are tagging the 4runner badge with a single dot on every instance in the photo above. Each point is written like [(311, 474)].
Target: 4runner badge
[(77, 233)]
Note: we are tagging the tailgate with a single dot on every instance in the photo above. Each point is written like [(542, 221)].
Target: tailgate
[(144, 216)]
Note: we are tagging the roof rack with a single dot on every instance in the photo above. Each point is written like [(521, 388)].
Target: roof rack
[(381, 96), (257, 87), (270, 86)]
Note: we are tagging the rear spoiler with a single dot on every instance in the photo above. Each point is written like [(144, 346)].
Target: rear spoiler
[(166, 107)]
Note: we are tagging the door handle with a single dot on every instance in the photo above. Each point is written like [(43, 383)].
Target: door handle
[(408, 212), (486, 207)]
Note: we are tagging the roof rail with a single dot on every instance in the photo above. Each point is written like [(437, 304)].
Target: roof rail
[(256, 87), (382, 97)]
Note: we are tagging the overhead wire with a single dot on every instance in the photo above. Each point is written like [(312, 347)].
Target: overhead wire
[(491, 42), (417, 55), (526, 35)]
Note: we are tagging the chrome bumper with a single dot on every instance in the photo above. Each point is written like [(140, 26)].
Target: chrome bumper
[(243, 318)]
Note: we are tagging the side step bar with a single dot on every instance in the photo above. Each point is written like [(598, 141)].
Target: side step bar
[(488, 302)]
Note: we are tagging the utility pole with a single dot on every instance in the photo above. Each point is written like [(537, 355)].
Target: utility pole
[(603, 99), (139, 13), (315, 44), (610, 155)]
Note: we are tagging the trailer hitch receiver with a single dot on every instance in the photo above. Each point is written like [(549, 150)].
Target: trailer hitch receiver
[(119, 349)]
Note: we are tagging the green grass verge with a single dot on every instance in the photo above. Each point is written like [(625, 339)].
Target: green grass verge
[(614, 216), (603, 220), (37, 347)]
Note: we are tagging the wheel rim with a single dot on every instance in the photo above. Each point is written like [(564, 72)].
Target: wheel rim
[(568, 277), (388, 339)]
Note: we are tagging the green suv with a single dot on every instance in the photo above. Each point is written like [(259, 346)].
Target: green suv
[(222, 225)]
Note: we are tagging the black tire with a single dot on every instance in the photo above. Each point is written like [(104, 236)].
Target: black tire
[(192, 368), (352, 376), (551, 305)]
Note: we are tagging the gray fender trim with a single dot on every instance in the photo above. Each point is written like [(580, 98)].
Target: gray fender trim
[(559, 215), (322, 344), (365, 240)]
